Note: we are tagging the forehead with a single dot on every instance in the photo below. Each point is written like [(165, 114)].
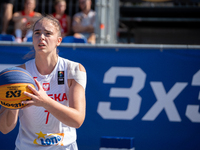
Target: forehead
[(82, 1), (61, 2), (45, 24), (30, 1)]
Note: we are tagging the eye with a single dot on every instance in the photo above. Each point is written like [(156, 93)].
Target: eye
[(36, 32), (48, 33)]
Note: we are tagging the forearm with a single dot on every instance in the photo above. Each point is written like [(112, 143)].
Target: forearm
[(81, 29), (8, 119), (66, 115), (17, 18)]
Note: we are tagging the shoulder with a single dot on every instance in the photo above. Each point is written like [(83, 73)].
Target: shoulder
[(37, 14), (82, 68), (76, 74), (92, 13), (26, 63), (22, 66), (18, 13), (72, 65), (78, 14)]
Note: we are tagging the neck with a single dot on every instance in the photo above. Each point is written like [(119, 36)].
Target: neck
[(86, 11), (27, 11), (45, 65), (59, 15)]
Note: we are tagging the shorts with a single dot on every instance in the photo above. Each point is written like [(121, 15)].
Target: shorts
[(8, 1), (72, 146)]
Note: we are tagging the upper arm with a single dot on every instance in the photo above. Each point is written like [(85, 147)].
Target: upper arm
[(81, 68), (15, 16), (37, 14), (77, 95), (76, 20), (2, 109), (77, 71)]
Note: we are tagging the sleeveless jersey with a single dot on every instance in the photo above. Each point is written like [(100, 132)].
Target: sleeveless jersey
[(30, 15), (63, 22), (38, 128)]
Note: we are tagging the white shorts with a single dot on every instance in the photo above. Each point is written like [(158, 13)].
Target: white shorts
[(72, 146)]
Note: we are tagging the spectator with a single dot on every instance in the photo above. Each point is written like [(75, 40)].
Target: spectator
[(65, 20), (24, 20), (7, 14), (84, 22)]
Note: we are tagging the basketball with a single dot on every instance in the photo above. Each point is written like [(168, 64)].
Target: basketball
[(13, 83)]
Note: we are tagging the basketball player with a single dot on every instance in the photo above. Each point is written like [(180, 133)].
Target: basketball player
[(57, 108)]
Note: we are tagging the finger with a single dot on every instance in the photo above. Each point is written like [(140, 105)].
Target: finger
[(32, 89), (38, 84), (26, 106), (29, 102), (30, 95)]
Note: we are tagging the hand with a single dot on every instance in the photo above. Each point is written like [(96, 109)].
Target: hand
[(39, 98)]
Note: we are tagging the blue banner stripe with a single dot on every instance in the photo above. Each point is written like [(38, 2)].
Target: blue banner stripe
[(117, 142)]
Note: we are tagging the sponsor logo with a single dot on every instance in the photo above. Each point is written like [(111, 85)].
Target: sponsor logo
[(10, 94), (49, 139), (61, 77)]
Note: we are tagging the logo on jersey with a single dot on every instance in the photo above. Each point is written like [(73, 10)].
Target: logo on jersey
[(61, 77), (49, 139), (46, 86)]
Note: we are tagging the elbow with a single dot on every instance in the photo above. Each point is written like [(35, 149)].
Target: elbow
[(4, 131), (78, 124)]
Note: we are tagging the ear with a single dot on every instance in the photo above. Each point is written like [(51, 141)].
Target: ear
[(59, 41)]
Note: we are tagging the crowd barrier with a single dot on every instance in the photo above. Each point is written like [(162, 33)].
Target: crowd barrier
[(148, 92)]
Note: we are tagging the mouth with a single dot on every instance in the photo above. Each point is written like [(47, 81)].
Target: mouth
[(41, 45)]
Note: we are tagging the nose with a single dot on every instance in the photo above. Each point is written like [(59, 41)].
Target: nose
[(42, 37)]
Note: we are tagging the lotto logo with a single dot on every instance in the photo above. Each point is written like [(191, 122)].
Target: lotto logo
[(49, 139)]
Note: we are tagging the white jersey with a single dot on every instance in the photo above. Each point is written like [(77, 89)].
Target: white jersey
[(38, 128)]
